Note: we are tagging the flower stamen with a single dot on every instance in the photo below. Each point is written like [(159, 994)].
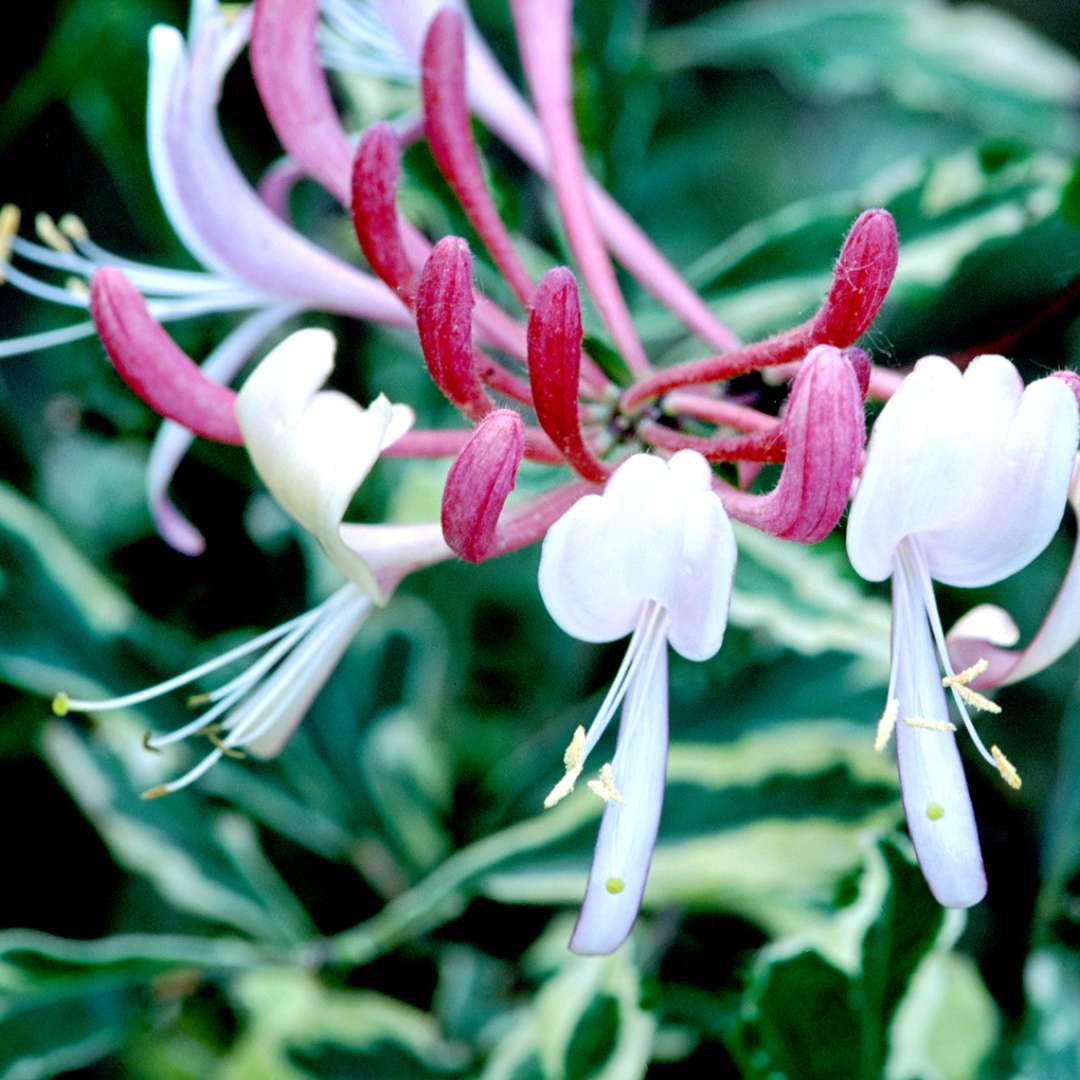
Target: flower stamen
[(603, 787), (1006, 768), (573, 759), (929, 725), (958, 683), (886, 725), (50, 235)]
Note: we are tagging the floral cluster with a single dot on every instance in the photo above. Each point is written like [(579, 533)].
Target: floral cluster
[(965, 479)]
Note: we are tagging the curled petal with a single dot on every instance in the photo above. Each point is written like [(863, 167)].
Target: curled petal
[(216, 212), (313, 448), (628, 830), (657, 533), (446, 124), (479, 482), (291, 84), (973, 463), (863, 273), (555, 368), (374, 209), (152, 364), (444, 304), (172, 441), (984, 633), (824, 431)]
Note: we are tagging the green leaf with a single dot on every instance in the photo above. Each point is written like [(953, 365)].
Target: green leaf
[(296, 1027), (857, 969), (586, 1021), (66, 1004), (968, 61)]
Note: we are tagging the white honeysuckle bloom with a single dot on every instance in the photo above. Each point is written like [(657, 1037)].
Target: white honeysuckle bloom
[(313, 448), (653, 556), (965, 483)]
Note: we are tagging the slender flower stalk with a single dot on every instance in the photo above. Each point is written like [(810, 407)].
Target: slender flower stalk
[(965, 483), (653, 557)]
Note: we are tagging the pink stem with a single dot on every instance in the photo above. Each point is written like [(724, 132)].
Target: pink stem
[(718, 411), (530, 520), (543, 33), (762, 446), (446, 123)]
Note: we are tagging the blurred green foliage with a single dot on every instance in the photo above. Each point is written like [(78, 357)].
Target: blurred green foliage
[(385, 899)]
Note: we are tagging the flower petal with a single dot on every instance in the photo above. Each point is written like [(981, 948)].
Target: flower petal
[(215, 211), (657, 533), (628, 830), (974, 465), (313, 449), (932, 782), (172, 440)]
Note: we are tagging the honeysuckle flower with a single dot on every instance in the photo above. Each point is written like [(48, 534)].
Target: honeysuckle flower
[(313, 448), (253, 261), (965, 483), (652, 557)]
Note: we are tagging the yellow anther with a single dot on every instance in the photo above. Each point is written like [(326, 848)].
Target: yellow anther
[(155, 792), (604, 786), (573, 758), (197, 699), (1006, 768), (71, 225), (614, 885), (886, 725), (77, 287), (60, 704), (959, 683), (148, 745), (228, 751), (51, 236), (929, 725), (969, 674), (10, 218)]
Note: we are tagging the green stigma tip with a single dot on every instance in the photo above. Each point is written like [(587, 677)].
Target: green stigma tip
[(614, 885), (60, 704), (935, 811)]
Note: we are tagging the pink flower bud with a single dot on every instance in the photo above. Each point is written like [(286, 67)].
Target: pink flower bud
[(152, 364), (374, 209), (1071, 380), (861, 278), (825, 431), (479, 482), (554, 355), (446, 125), (444, 304)]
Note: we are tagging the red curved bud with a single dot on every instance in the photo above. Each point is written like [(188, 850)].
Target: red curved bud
[(554, 354), (863, 273), (479, 482), (446, 124), (825, 431), (154, 366), (861, 278), (444, 304), (860, 362), (293, 89), (374, 209)]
